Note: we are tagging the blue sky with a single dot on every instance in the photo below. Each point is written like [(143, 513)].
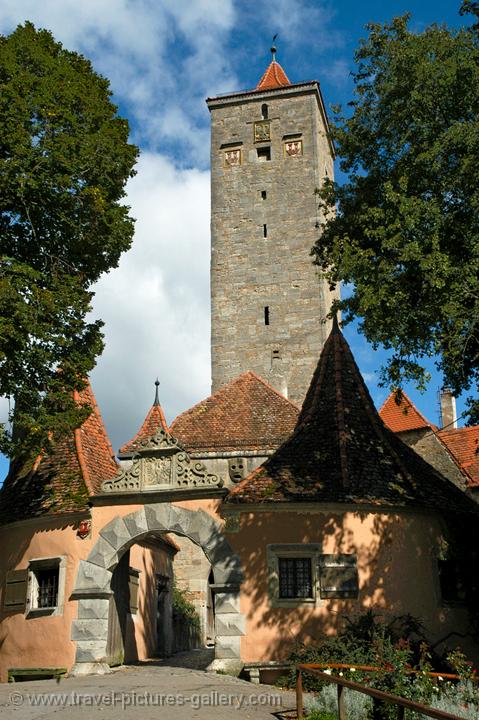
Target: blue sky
[(163, 58)]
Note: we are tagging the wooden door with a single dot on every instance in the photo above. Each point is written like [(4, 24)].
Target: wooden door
[(119, 607)]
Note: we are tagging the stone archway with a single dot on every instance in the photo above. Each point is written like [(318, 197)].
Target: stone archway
[(93, 582)]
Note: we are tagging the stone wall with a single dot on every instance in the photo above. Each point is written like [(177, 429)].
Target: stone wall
[(263, 224)]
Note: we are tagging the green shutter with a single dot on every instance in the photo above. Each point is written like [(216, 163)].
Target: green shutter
[(16, 588), (133, 587)]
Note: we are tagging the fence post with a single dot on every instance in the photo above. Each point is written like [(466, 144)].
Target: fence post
[(341, 707), (299, 695)]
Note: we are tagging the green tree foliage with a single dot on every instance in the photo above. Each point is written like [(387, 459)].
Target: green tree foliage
[(64, 163), (406, 232)]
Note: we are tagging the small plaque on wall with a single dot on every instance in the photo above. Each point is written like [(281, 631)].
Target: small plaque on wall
[(233, 157), (293, 147), (262, 131)]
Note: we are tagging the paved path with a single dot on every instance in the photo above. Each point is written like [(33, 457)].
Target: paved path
[(154, 690)]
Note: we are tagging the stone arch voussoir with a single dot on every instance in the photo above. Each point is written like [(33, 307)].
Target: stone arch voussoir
[(93, 582)]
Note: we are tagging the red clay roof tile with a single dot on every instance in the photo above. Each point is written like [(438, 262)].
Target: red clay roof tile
[(61, 480), (402, 415), (155, 419), (247, 414), (463, 444), (341, 451), (273, 77)]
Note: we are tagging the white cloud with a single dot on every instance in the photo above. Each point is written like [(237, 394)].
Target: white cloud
[(158, 57), (156, 303)]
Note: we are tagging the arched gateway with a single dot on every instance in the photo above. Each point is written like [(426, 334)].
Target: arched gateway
[(93, 583)]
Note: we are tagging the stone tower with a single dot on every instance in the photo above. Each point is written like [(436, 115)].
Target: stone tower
[(269, 151)]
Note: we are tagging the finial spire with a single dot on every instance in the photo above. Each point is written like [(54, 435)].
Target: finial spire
[(157, 398), (273, 48)]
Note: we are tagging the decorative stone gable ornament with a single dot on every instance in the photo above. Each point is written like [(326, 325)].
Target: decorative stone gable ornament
[(160, 464)]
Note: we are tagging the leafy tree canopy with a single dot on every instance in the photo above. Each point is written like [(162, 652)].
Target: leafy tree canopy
[(406, 232), (64, 163)]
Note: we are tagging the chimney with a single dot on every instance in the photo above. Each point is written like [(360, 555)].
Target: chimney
[(448, 409)]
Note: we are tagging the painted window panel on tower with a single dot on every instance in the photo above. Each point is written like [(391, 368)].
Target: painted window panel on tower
[(262, 131)]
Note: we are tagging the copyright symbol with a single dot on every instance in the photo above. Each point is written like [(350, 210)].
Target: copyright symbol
[(16, 698)]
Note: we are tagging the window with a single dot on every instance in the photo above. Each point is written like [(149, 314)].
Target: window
[(263, 194), (265, 231), (295, 578), (300, 575), (46, 586), (338, 576), (264, 111), (266, 315), (264, 154)]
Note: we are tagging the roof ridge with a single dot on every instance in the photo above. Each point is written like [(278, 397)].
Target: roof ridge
[(465, 428), (270, 387), (340, 407)]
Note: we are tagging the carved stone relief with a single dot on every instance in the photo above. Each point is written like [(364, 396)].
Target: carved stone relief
[(236, 469), (161, 464)]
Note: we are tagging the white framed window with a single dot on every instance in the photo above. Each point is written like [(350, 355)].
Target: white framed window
[(301, 575), (292, 573), (46, 586)]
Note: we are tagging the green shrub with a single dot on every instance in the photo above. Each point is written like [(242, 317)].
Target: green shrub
[(397, 647)]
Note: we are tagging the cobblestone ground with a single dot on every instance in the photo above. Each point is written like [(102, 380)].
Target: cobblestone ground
[(158, 689)]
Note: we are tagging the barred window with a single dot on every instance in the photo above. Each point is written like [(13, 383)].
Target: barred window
[(47, 584), (295, 577)]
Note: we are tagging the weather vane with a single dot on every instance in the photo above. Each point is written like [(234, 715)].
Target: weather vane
[(273, 47)]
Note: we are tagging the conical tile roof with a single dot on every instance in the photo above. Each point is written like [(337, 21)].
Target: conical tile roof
[(61, 480), (341, 451), (155, 420), (273, 77)]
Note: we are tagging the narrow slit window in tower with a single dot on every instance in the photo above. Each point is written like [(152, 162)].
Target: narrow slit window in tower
[(266, 315), (265, 230), (264, 111), (263, 194)]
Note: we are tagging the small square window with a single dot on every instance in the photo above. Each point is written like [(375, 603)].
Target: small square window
[(46, 586), (295, 578), (264, 153)]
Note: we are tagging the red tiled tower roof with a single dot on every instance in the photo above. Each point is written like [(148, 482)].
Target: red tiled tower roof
[(273, 77), (62, 479), (247, 414), (154, 420), (463, 444), (341, 451), (403, 415)]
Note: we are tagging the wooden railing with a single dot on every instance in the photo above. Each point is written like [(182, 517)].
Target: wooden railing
[(380, 696)]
